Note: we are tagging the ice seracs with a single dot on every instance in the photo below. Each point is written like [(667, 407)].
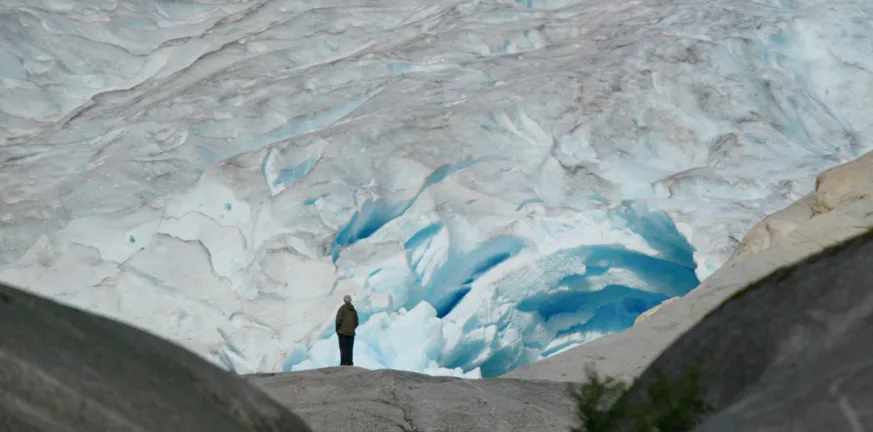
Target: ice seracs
[(505, 179)]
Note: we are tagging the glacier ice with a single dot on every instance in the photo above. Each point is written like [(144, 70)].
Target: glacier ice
[(493, 181)]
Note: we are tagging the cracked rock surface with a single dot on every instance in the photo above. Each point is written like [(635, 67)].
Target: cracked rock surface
[(350, 398)]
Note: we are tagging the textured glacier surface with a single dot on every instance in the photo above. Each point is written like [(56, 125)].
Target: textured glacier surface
[(492, 181)]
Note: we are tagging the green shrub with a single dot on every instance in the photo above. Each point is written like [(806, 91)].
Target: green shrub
[(603, 405), (597, 402)]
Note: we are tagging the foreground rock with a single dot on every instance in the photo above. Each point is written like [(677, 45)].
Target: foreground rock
[(793, 352), (66, 370), (353, 399), (840, 208)]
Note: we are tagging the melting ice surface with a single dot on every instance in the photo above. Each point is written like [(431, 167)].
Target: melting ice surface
[(492, 181)]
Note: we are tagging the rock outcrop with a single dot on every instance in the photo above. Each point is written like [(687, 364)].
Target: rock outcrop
[(845, 192), (840, 208), (645, 315), (354, 399), (62, 369)]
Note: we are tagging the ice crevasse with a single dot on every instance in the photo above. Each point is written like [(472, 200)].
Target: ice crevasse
[(492, 181)]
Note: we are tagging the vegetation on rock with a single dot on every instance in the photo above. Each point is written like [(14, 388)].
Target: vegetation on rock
[(604, 404)]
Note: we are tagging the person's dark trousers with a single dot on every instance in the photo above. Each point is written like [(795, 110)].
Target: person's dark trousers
[(346, 346)]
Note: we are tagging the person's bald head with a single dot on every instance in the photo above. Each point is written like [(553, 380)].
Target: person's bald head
[(347, 299)]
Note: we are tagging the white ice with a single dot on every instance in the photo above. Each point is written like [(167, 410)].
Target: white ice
[(492, 181)]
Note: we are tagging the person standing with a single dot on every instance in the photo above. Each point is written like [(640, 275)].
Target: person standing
[(346, 323)]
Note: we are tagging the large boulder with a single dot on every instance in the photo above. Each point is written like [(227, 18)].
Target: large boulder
[(354, 399), (792, 352), (840, 208), (62, 369)]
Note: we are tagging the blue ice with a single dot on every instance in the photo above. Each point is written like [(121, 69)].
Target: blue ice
[(399, 68), (423, 235), (451, 281), (374, 214), (290, 175), (617, 283), (292, 129)]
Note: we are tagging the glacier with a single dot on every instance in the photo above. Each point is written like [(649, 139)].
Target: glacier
[(493, 182)]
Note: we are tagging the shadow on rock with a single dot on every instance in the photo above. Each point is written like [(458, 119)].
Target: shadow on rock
[(64, 369), (791, 352)]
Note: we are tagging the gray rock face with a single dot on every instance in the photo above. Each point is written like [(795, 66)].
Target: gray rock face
[(62, 369), (66, 370), (793, 352), (353, 399)]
